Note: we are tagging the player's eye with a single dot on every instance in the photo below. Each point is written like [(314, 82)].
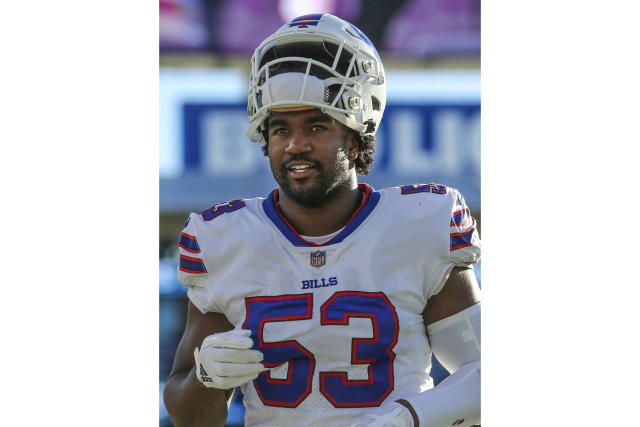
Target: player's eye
[(318, 128), (279, 131)]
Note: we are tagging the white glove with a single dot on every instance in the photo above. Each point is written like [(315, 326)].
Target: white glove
[(225, 360), (389, 415)]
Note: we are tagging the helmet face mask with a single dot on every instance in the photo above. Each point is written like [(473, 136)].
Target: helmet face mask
[(317, 61)]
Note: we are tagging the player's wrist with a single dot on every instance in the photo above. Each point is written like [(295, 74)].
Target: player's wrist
[(414, 415)]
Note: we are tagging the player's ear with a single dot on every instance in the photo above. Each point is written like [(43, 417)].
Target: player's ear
[(352, 145)]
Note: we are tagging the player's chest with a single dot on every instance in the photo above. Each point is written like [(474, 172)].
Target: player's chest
[(324, 269), (307, 286)]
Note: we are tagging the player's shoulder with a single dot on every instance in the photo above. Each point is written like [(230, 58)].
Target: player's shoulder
[(415, 206), (220, 215), (422, 197), (436, 214), (207, 235), (222, 222)]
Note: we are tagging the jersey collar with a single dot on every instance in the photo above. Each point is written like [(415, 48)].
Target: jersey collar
[(270, 206)]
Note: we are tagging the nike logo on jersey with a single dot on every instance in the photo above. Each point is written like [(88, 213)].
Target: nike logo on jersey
[(319, 283)]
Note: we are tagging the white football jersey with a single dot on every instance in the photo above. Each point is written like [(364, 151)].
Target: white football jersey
[(339, 323)]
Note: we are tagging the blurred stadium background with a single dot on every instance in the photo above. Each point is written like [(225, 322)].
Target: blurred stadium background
[(430, 132)]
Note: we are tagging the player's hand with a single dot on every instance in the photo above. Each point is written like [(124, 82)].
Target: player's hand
[(389, 415), (225, 360)]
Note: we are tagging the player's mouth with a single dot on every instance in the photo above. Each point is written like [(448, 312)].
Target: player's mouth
[(300, 169)]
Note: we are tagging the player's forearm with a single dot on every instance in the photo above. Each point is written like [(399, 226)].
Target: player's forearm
[(191, 404), (455, 341), (455, 401)]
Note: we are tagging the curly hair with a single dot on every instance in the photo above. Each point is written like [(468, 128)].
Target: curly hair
[(366, 148)]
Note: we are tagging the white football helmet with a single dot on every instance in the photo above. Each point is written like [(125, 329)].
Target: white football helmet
[(317, 61)]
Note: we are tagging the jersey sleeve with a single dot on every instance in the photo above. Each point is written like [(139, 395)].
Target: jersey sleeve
[(464, 240), (192, 271), (462, 247)]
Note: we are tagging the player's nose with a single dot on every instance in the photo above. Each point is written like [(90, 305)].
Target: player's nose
[(298, 143)]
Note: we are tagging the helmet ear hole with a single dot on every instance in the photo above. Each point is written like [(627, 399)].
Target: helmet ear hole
[(375, 103), (371, 126)]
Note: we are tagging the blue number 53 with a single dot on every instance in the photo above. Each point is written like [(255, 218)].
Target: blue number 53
[(376, 352)]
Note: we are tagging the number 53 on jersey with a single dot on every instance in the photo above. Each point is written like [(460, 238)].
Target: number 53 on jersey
[(376, 352)]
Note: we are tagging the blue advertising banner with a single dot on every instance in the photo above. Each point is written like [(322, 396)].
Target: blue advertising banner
[(426, 135)]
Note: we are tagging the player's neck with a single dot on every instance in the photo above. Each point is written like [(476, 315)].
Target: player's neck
[(324, 219)]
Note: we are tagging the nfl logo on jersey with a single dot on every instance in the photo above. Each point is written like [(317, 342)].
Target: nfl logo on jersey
[(318, 259)]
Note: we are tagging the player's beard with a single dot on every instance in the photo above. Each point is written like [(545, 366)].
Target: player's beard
[(328, 184)]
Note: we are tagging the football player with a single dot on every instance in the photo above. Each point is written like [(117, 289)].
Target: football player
[(324, 300)]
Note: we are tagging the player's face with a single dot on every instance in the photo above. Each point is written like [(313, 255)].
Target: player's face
[(309, 156)]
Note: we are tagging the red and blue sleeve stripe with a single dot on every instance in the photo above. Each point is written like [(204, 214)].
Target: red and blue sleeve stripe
[(192, 265), (460, 217), (189, 243), (461, 240)]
